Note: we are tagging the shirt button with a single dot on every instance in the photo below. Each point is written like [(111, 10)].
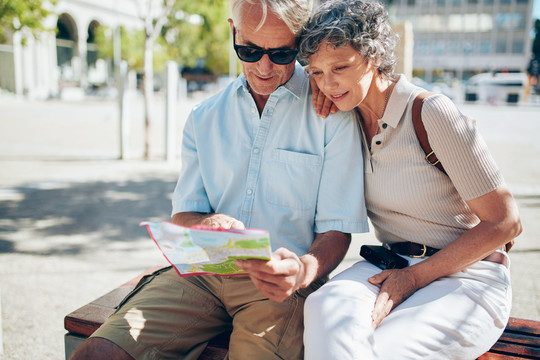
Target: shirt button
[(384, 126), (378, 143), (249, 192), (256, 150)]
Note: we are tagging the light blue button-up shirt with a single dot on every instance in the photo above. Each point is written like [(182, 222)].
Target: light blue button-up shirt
[(287, 171)]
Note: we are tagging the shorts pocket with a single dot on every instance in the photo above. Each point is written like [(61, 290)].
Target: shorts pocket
[(146, 279), (293, 179)]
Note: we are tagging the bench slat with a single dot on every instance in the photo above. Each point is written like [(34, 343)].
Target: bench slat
[(524, 352), (530, 327), (519, 339), (494, 356)]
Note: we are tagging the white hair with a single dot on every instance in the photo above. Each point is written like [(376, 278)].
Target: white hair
[(294, 13)]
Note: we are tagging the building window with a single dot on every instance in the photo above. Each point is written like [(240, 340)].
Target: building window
[(437, 47), (517, 47), (441, 2), (411, 2), (500, 47), (519, 21), (485, 22), (503, 21), (453, 47), (468, 47), (484, 47), (455, 23), (507, 21), (421, 47), (429, 23)]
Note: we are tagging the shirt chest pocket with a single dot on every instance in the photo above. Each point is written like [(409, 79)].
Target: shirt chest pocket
[(293, 179)]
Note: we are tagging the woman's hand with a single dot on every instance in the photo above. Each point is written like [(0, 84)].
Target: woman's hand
[(396, 287), (322, 105)]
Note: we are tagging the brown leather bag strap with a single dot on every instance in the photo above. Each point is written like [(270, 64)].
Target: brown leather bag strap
[(420, 130)]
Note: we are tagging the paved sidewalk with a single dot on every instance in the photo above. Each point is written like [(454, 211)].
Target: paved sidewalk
[(69, 212)]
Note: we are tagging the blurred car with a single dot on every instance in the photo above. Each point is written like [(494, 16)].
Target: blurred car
[(495, 88)]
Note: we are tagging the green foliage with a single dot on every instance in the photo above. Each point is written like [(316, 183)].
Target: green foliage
[(209, 40), (181, 40), (19, 14), (132, 44)]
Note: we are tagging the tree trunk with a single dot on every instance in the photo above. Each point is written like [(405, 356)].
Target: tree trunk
[(152, 31), (148, 89)]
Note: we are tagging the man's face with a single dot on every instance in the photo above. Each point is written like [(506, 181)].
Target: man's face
[(264, 76)]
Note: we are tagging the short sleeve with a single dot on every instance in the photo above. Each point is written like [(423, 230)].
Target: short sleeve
[(341, 201), (189, 193), (461, 149)]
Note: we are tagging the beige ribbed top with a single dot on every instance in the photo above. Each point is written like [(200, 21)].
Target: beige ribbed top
[(409, 200)]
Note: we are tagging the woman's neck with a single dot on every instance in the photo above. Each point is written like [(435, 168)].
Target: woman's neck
[(374, 104)]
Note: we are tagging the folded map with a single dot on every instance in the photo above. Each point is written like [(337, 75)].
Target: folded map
[(202, 250)]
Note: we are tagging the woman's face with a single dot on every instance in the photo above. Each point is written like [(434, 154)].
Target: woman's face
[(342, 74)]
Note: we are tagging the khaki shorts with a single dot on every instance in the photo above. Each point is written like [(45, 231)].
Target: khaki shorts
[(168, 316)]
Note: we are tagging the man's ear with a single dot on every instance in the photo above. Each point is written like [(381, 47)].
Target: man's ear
[(231, 24)]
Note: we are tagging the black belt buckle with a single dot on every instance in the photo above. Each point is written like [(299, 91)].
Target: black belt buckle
[(424, 251)]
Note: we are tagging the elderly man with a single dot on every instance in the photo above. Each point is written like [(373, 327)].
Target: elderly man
[(255, 155)]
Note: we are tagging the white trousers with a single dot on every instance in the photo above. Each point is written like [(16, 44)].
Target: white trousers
[(456, 317)]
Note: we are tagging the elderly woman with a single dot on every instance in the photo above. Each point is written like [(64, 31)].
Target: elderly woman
[(453, 300)]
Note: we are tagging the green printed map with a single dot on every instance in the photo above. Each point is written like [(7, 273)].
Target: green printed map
[(208, 251)]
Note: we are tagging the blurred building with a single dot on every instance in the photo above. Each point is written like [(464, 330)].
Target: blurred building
[(461, 38), (65, 58)]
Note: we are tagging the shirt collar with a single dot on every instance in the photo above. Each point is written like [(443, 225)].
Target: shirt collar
[(398, 102), (296, 84)]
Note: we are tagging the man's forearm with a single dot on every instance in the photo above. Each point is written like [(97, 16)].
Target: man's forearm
[(325, 254)]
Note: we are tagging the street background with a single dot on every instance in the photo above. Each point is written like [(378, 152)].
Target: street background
[(70, 211)]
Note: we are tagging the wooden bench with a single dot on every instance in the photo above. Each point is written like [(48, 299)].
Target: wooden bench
[(520, 340)]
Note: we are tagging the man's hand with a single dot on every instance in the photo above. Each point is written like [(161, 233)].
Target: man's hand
[(322, 105), (396, 287), (213, 220), (222, 221), (277, 278)]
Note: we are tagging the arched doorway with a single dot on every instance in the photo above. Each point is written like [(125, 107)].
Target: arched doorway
[(97, 69), (67, 52), (91, 47)]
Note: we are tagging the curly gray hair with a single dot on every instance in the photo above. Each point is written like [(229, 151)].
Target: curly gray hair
[(363, 24), (294, 13)]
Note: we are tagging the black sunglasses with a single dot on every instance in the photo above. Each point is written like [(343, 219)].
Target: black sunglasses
[(254, 54)]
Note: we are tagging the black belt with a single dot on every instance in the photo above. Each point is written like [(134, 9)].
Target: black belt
[(418, 250), (412, 249)]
